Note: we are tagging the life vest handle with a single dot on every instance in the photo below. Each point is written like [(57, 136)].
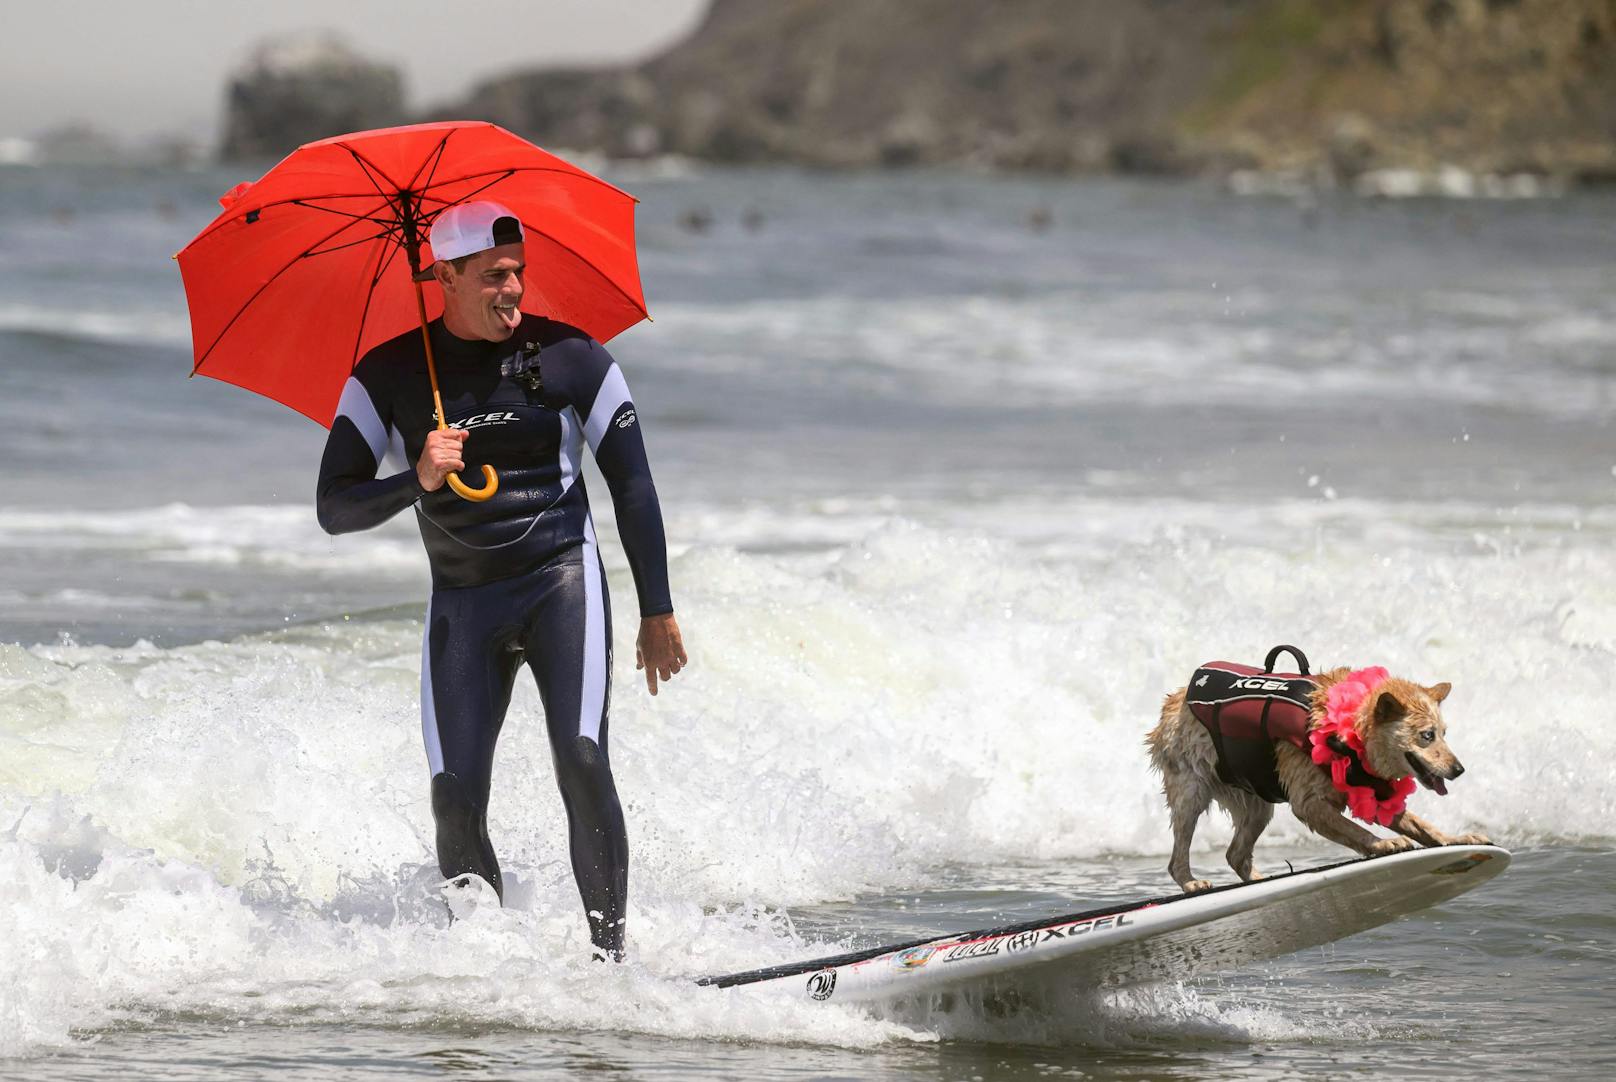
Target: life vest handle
[(1273, 656)]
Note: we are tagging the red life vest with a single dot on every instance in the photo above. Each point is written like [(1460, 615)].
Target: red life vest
[(1246, 709)]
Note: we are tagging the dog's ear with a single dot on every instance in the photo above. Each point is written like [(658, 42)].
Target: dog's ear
[(1438, 692), (1388, 708)]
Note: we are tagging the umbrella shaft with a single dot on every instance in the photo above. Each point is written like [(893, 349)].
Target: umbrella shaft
[(431, 366)]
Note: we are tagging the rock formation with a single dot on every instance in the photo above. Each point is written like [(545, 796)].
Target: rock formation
[(1339, 87), (297, 89)]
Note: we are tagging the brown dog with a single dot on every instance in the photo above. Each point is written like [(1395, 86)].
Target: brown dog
[(1402, 731)]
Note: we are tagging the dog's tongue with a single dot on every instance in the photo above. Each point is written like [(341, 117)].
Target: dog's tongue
[(1440, 786)]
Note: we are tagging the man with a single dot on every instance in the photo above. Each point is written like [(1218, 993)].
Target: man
[(518, 576)]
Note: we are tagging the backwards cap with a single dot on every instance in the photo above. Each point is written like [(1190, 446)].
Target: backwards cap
[(468, 228)]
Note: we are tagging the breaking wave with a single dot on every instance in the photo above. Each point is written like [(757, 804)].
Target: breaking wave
[(240, 828)]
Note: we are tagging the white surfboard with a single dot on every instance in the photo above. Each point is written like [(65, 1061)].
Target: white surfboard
[(1167, 938)]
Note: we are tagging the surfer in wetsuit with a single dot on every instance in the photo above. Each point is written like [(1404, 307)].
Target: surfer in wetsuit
[(517, 577)]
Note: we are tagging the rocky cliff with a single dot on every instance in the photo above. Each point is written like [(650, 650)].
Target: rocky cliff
[(297, 89), (1341, 86)]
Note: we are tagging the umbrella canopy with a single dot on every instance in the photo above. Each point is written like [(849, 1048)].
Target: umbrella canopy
[(309, 267)]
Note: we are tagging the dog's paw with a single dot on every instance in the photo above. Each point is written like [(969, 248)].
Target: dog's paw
[(1195, 886), (1390, 845), (1472, 839)]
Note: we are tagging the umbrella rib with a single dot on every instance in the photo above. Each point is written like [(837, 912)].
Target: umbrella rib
[(305, 201), (384, 235), (370, 294), (469, 195), (296, 201), (256, 294), (509, 170), (367, 165), (436, 157)]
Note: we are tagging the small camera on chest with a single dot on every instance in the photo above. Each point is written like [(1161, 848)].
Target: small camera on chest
[(523, 367)]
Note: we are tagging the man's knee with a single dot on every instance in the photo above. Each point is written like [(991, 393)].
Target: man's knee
[(583, 770)]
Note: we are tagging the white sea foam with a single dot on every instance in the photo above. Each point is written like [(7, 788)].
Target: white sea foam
[(241, 828), (281, 537), (169, 327), (1206, 348)]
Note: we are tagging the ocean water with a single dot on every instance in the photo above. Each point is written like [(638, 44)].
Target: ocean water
[(953, 499)]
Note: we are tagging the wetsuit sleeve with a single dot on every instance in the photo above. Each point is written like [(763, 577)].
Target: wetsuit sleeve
[(612, 428), (350, 496)]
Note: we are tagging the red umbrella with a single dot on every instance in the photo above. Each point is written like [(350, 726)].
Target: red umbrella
[(309, 267)]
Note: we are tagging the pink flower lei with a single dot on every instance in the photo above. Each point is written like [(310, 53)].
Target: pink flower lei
[(1341, 704)]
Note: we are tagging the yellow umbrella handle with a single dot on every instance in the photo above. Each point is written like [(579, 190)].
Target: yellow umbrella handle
[(490, 478), (476, 495)]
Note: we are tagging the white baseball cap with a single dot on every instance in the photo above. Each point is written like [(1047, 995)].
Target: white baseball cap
[(468, 228)]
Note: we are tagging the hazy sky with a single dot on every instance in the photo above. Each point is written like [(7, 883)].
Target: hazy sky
[(139, 67)]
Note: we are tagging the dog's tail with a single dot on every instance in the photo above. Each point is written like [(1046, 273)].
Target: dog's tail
[(1159, 739)]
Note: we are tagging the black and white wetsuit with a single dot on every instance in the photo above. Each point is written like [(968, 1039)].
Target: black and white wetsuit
[(515, 578)]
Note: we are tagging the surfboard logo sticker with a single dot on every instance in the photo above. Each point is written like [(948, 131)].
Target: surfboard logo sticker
[(1021, 942), (822, 984), (914, 957)]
